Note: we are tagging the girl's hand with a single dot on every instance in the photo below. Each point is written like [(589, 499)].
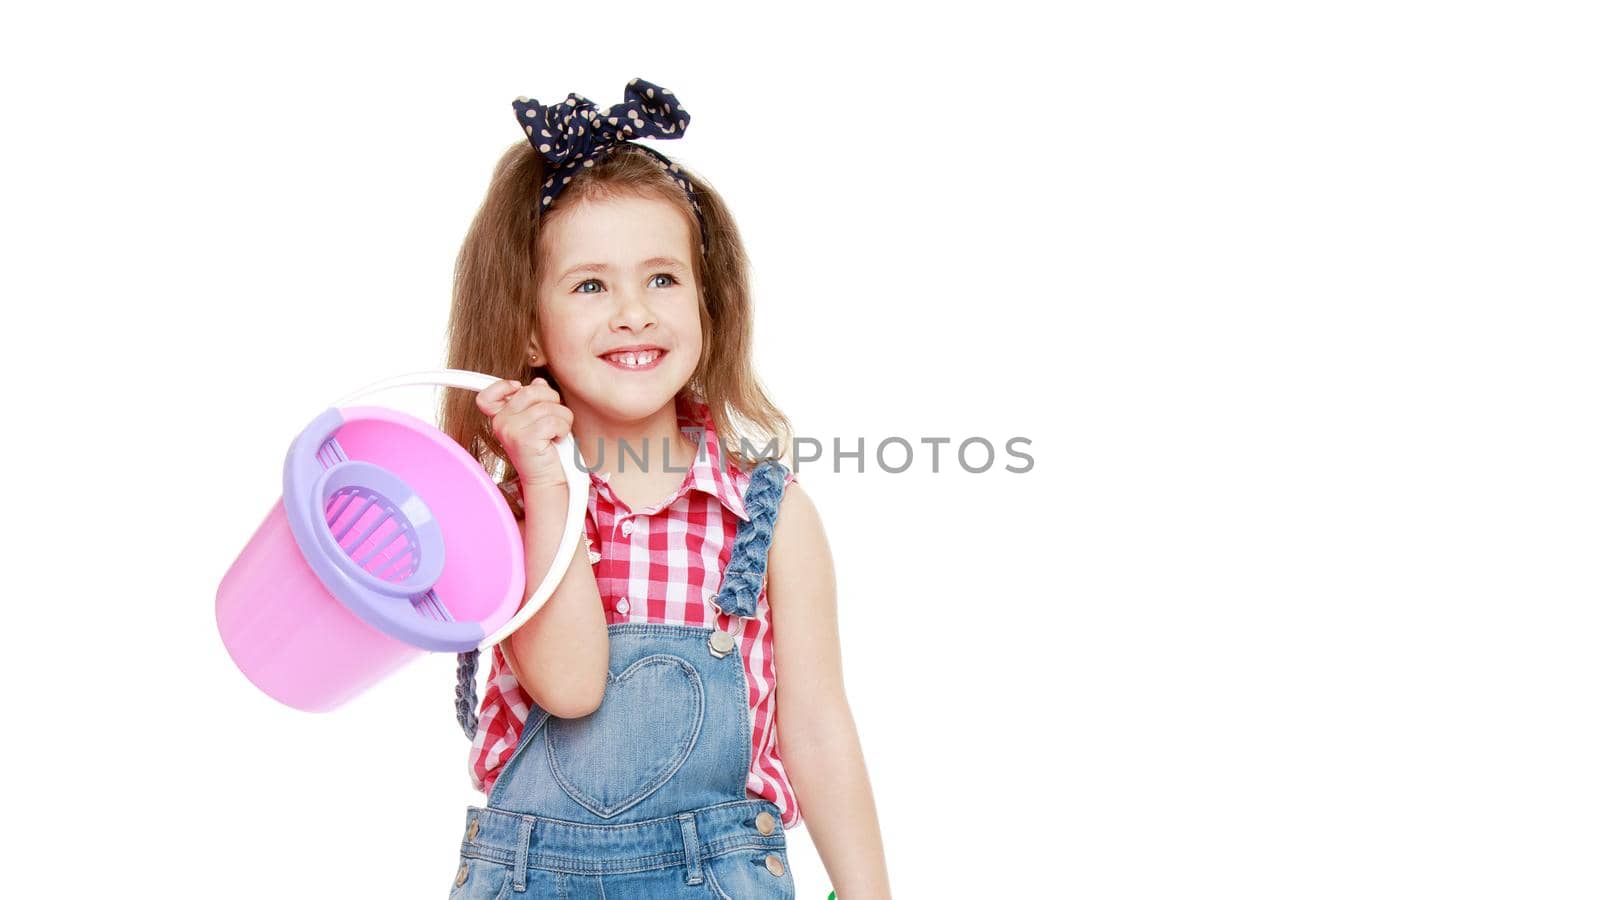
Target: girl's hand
[(528, 420)]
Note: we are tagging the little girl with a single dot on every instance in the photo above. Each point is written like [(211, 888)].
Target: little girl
[(628, 742)]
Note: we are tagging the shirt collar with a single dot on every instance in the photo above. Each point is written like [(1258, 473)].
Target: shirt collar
[(707, 473)]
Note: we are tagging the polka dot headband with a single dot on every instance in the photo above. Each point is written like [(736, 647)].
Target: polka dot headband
[(575, 134)]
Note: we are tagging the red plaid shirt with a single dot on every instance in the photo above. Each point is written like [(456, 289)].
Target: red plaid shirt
[(662, 564)]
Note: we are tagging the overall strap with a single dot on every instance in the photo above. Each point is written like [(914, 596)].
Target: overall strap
[(467, 692), (741, 581), (747, 565)]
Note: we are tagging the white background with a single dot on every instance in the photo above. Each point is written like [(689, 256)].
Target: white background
[(1294, 302)]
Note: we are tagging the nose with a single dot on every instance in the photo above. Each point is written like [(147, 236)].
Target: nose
[(633, 312)]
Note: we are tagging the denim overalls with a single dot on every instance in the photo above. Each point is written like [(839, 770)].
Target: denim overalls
[(644, 797)]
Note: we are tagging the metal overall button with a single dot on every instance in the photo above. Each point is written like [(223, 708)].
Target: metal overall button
[(472, 830), (765, 823), (774, 865), (461, 875), (721, 643)]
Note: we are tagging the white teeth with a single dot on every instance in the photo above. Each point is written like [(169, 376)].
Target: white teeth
[(634, 359)]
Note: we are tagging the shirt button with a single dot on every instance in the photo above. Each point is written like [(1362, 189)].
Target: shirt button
[(774, 864), (627, 527), (622, 605), (765, 823)]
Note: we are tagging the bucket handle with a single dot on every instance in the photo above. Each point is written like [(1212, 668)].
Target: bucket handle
[(577, 486)]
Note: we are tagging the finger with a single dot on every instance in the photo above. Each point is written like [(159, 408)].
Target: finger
[(527, 398), (522, 399), (491, 398), (549, 428), (523, 422), (537, 436), (563, 414), (542, 389)]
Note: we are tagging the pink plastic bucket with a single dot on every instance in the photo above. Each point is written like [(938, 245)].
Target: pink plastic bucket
[(390, 541)]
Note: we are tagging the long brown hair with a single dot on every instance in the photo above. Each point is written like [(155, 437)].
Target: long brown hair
[(493, 301)]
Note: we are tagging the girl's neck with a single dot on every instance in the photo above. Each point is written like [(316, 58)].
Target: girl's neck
[(643, 451)]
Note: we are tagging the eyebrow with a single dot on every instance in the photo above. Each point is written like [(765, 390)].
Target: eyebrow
[(666, 261)]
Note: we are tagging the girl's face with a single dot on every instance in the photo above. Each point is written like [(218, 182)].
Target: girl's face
[(617, 276)]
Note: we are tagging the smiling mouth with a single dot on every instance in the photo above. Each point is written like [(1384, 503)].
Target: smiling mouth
[(635, 360)]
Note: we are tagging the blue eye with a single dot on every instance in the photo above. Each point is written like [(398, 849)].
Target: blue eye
[(577, 289)]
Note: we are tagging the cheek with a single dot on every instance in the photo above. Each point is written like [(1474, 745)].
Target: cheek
[(566, 331), (687, 323), (689, 343)]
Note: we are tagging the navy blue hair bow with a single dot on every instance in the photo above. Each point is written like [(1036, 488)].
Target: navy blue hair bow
[(576, 134)]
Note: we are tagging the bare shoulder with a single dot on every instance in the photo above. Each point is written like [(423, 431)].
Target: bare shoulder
[(798, 535), (799, 563)]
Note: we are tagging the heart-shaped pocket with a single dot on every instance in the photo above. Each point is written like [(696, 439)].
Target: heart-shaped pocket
[(645, 728)]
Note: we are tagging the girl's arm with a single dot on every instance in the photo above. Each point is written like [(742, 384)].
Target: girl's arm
[(560, 654), (816, 734)]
